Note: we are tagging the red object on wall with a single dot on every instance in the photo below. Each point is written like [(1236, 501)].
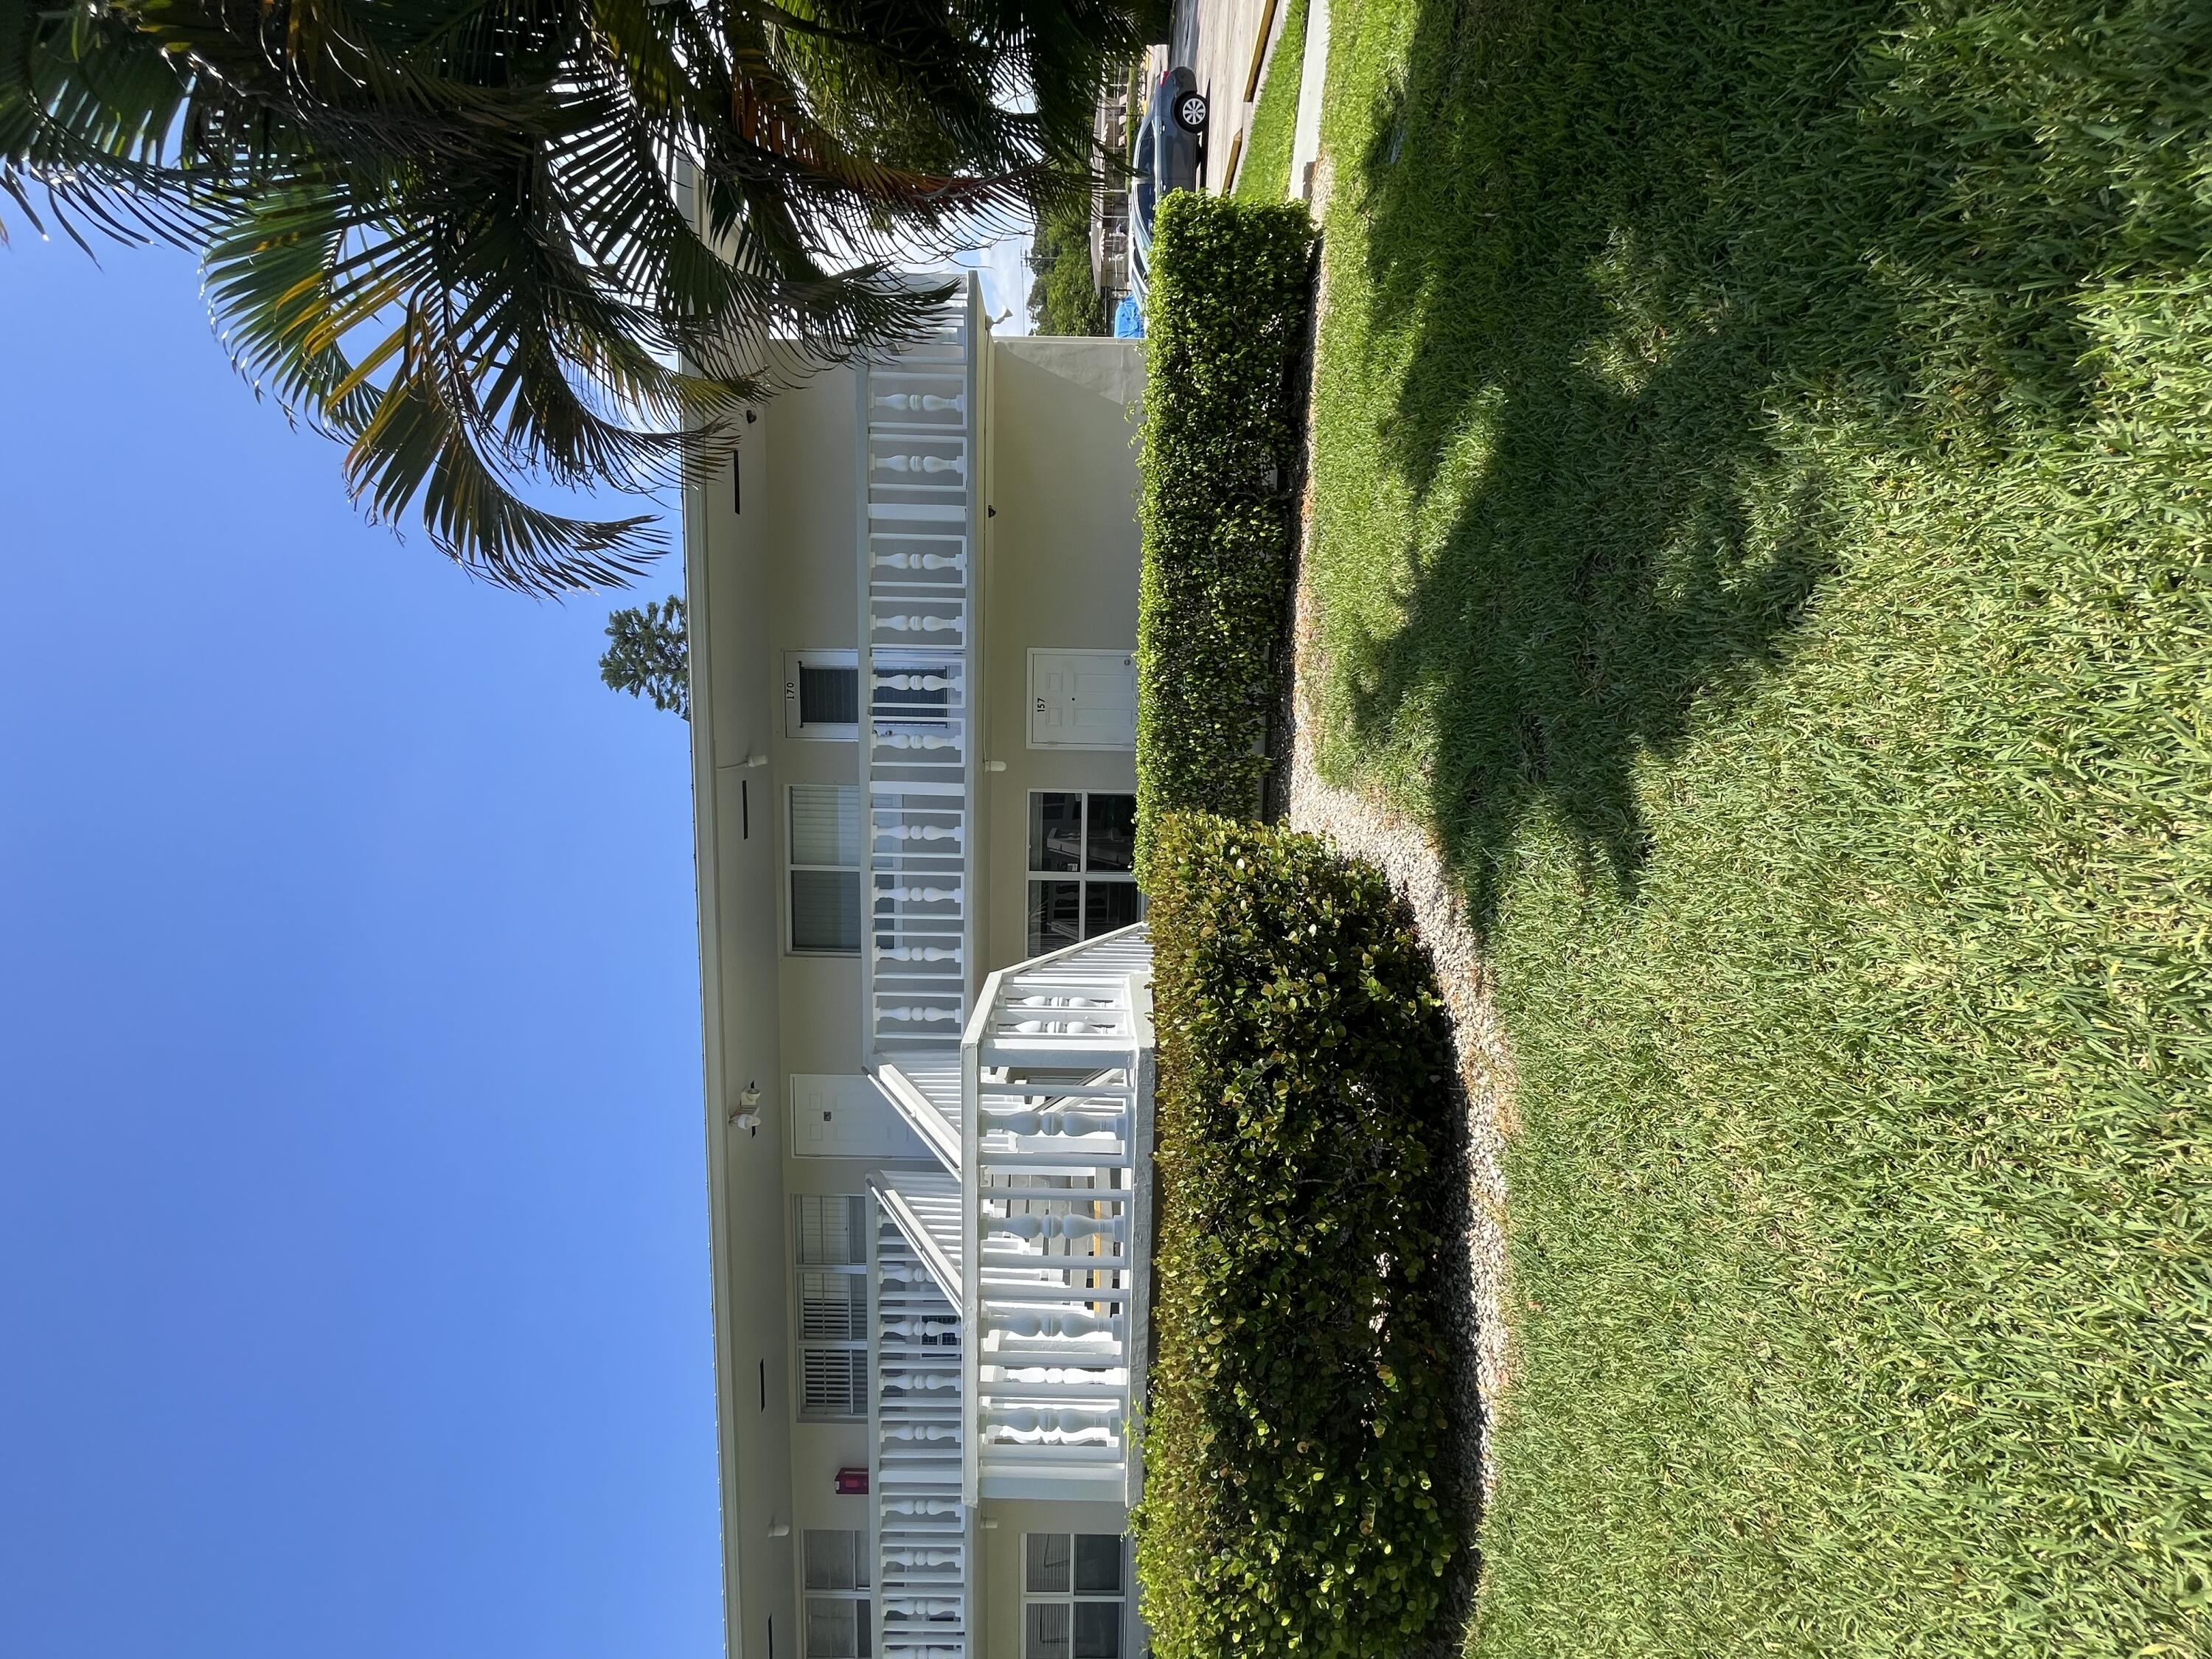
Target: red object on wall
[(852, 1483)]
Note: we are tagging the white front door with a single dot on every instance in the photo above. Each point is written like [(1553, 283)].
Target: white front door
[(1083, 699), (846, 1116)]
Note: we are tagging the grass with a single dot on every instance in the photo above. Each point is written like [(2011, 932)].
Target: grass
[(1265, 172), (1761, 524)]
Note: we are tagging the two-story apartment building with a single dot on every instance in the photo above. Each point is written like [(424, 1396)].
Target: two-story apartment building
[(913, 615)]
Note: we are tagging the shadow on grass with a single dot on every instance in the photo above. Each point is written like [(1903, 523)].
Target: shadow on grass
[(1629, 255)]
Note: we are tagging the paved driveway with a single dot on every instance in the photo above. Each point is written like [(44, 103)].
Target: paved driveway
[(1224, 42)]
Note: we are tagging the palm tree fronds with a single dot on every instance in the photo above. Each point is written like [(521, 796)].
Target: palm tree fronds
[(448, 233)]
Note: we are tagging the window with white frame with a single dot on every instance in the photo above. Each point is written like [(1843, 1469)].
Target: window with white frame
[(833, 1305), (823, 848), (822, 695), (838, 1612), (1073, 1595), (1083, 864)]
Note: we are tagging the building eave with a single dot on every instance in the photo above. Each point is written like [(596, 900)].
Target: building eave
[(715, 1086)]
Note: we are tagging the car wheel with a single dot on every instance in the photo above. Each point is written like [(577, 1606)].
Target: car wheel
[(1190, 112)]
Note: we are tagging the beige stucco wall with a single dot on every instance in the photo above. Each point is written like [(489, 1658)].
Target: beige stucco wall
[(805, 500), (1061, 574), (779, 573), (800, 496)]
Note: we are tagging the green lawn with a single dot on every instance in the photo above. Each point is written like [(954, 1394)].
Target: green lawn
[(1264, 175), (1763, 476)]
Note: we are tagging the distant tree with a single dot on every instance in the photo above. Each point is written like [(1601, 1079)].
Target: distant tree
[(1063, 299), (650, 656)]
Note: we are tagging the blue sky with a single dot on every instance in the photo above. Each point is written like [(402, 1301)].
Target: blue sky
[(352, 1271)]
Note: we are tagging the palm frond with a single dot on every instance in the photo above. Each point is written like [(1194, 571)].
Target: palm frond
[(447, 232)]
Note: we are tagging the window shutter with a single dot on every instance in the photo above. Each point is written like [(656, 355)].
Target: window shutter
[(832, 1382), (832, 1229), (833, 1308), (825, 824)]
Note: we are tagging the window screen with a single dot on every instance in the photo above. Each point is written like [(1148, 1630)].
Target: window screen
[(822, 695), (1073, 1598), (829, 696), (837, 1605), (1082, 867)]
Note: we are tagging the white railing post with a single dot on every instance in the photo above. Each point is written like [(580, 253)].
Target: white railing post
[(918, 1423), (1056, 1122), (918, 457)]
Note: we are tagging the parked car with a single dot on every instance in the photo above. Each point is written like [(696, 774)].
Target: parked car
[(1169, 148)]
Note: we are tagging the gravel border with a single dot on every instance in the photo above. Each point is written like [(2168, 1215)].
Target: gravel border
[(1409, 856)]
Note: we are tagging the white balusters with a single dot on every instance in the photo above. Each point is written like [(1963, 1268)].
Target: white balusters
[(941, 1508), (1054, 1327), (1057, 1374), (911, 1012), (910, 1557), (918, 515), (919, 1422), (1028, 1425), (923, 401), (914, 740), (928, 1330), (922, 560), (926, 1433), (1058, 1132), (923, 1606), (919, 1381), (1016, 1121), (926, 465), (1028, 1231)]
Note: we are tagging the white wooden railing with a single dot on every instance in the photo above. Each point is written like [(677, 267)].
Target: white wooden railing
[(1057, 1080), (917, 1422), (1007, 1353), (917, 580), (1010, 1289)]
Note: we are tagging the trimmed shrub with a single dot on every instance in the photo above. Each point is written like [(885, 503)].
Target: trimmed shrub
[(1229, 287), (1298, 1476)]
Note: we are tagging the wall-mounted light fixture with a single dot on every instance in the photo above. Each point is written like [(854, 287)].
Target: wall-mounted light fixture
[(746, 1115)]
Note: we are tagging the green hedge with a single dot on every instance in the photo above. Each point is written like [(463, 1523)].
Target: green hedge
[(1226, 327), (1298, 1471)]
